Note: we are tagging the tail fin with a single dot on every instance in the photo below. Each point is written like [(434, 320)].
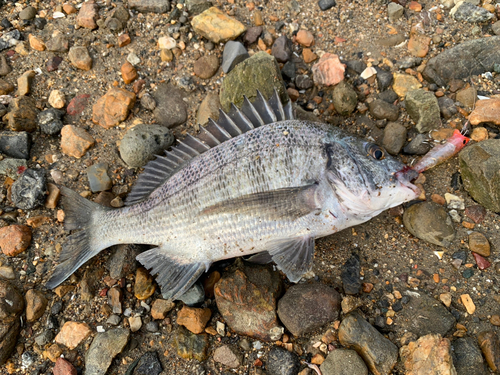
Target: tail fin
[(79, 213)]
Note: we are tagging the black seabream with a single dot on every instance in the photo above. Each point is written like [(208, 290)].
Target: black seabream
[(256, 182)]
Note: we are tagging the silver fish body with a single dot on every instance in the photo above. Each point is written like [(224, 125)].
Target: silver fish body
[(271, 190)]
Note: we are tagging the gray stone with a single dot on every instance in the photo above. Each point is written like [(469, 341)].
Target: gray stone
[(27, 13), (252, 34), (326, 4), (467, 97), (153, 6), (419, 145), (306, 307), (152, 326), (194, 295), (15, 144), (409, 62), (45, 337), (120, 13), (282, 49), (357, 66), (228, 356), (343, 362), (98, 177), (234, 53), (423, 315), (50, 121), (429, 222), (113, 320), (11, 306), (29, 190), (350, 276), (259, 72), (196, 7), (148, 102), (10, 167), (8, 339), (470, 58), (470, 13), (149, 364), (480, 170), (467, 357), (282, 362), (423, 108), (447, 107), (395, 11), (394, 137), (170, 108), (122, 260), (103, 349), (496, 28), (209, 108), (4, 66), (303, 82), (384, 78), (388, 96), (142, 142), (379, 353), (382, 110), (344, 98), (58, 43), (391, 40)]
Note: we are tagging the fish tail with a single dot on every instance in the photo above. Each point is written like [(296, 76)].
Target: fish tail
[(79, 214)]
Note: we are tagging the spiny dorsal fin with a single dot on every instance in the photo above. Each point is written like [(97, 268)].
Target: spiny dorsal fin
[(232, 124)]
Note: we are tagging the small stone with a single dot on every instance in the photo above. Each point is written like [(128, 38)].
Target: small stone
[(144, 286), (227, 356), (115, 300), (282, 49), (495, 320), (28, 13), (381, 110), (89, 12), (63, 367), (430, 354), (478, 243), (394, 11), (481, 262), (166, 42), (135, 323), (490, 346), (7, 273), (194, 295), (282, 362), (305, 38), (69, 9), (166, 55), (209, 108), (403, 83), (129, 73), (343, 362), (98, 177), (160, 308), (217, 26), (476, 212), (479, 134), (104, 348), (153, 6), (465, 11), (14, 239), (486, 111), (309, 56), (80, 58), (123, 40), (467, 357), (190, 345), (36, 303), (113, 108), (252, 35), (418, 45), (22, 114), (194, 319), (344, 98), (58, 43), (423, 108), (418, 146), (148, 102), (72, 334), (53, 352), (446, 299), (468, 303), (206, 67), (36, 43), (6, 87), (57, 99), (328, 70), (77, 104), (149, 364), (394, 138), (170, 108), (28, 191), (467, 97), (15, 144), (326, 4), (53, 63), (75, 141), (4, 66), (50, 121), (234, 53)]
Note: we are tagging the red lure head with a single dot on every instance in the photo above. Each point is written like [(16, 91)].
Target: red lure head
[(458, 140)]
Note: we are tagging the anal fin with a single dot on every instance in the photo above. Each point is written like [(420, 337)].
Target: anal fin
[(293, 256), (174, 278)]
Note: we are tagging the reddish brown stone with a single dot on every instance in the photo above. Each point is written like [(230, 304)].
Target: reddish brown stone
[(69, 9), (481, 262), (113, 107), (129, 73), (138, 86), (14, 239), (490, 346), (477, 213), (160, 308), (22, 115), (75, 141), (308, 55), (123, 40), (305, 38), (53, 63), (77, 104), (72, 334), (36, 303), (63, 367), (194, 319), (88, 14)]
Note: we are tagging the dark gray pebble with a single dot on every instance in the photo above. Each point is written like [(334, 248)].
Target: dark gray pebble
[(149, 364), (50, 121), (282, 362), (326, 4), (29, 190)]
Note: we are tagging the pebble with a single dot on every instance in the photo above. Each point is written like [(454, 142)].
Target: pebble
[(144, 286), (7, 273), (113, 320), (10, 324), (467, 357), (476, 213), (88, 14), (495, 320), (303, 82), (418, 45), (36, 303), (80, 58), (129, 73), (72, 334), (115, 300), (28, 191), (10, 167), (234, 53), (465, 11), (282, 362), (384, 80), (328, 70), (479, 134), (113, 107), (77, 104), (75, 141), (149, 364), (64, 367), (379, 354), (53, 352), (394, 138), (446, 299), (123, 40), (423, 108), (135, 323), (24, 82), (306, 307), (58, 43), (381, 110), (430, 354), (194, 295), (22, 114), (146, 6), (152, 327), (344, 98), (104, 348), (305, 38), (69, 9), (6, 87), (326, 4), (57, 99), (190, 345), (50, 121), (486, 111), (28, 13), (170, 108), (394, 11), (228, 356), (217, 26), (194, 319), (454, 202), (99, 180), (206, 66), (343, 362), (36, 43), (209, 108), (467, 97), (308, 56), (403, 83), (479, 244), (282, 49), (490, 346), (148, 102), (447, 107), (121, 262)]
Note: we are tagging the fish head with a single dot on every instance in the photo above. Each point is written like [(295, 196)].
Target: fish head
[(365, 178)]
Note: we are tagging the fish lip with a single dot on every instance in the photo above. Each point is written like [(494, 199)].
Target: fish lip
[(406, 176)]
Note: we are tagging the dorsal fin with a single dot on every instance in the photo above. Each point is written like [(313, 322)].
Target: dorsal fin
[(232, 124)]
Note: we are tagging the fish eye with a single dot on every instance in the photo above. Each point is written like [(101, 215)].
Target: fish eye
[(375, 151)]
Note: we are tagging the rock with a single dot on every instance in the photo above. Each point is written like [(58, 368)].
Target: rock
[(467, 358), (28, 13), (423, 108), (282, 362), (490, 346), (468, 303), (479, 134), (395, 11), (194, 319), (69, 9), (454, 202), (88, 14), (8, 339), (144, 286), (29, 189), (7, 273), (252, 34), (15, 144), (113, 108), (195, 7), (80, 58), (72, 334), (123, 40), (209, 108), (57, 99), (430, 354), (480, 169), (472, 57), (234, 53), (344, 98), (150, 6), (103, 349), (486, 111), (129, 73), (403, 83), (166, 42), (308, 56), (476, 213), (343, 362), (6, 87), (259, 72), (36, 303), (22, 114), (328, 70), (303, 82), (24, 82), (206, 66), (149, 364), (350, 275), (217, 26), (122, 260), (467, 96), (148, 102), (282, 49), (53, 352), (166, 55), (304, 38), (135, 323), (115, 300), (418, 145), (4, 66), (152, 327), (394, 137), (36, 43), (11, 304), (191, 346), (479, 244), (45, 337), (383, 110), (160, 308), (306, 307), (14, 239), (379, 353), (424, 315), (11, 167), (63, 367), (98, 177), (465, 11), (228, 356), (246, 298), (194, 295), (326, 4), (384, 80), (77, 104), (418, 45), (142, 142), (75, 141), (447, 107), (170, 108), (50, 121)]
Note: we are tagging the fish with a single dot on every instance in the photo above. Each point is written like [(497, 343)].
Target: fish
[(443, 151), (257, 182)]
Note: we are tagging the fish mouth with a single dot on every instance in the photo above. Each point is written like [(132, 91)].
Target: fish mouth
[(406, 177)]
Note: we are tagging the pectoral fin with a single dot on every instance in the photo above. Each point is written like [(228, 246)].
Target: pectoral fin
[(294, 257), (286, 203)]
